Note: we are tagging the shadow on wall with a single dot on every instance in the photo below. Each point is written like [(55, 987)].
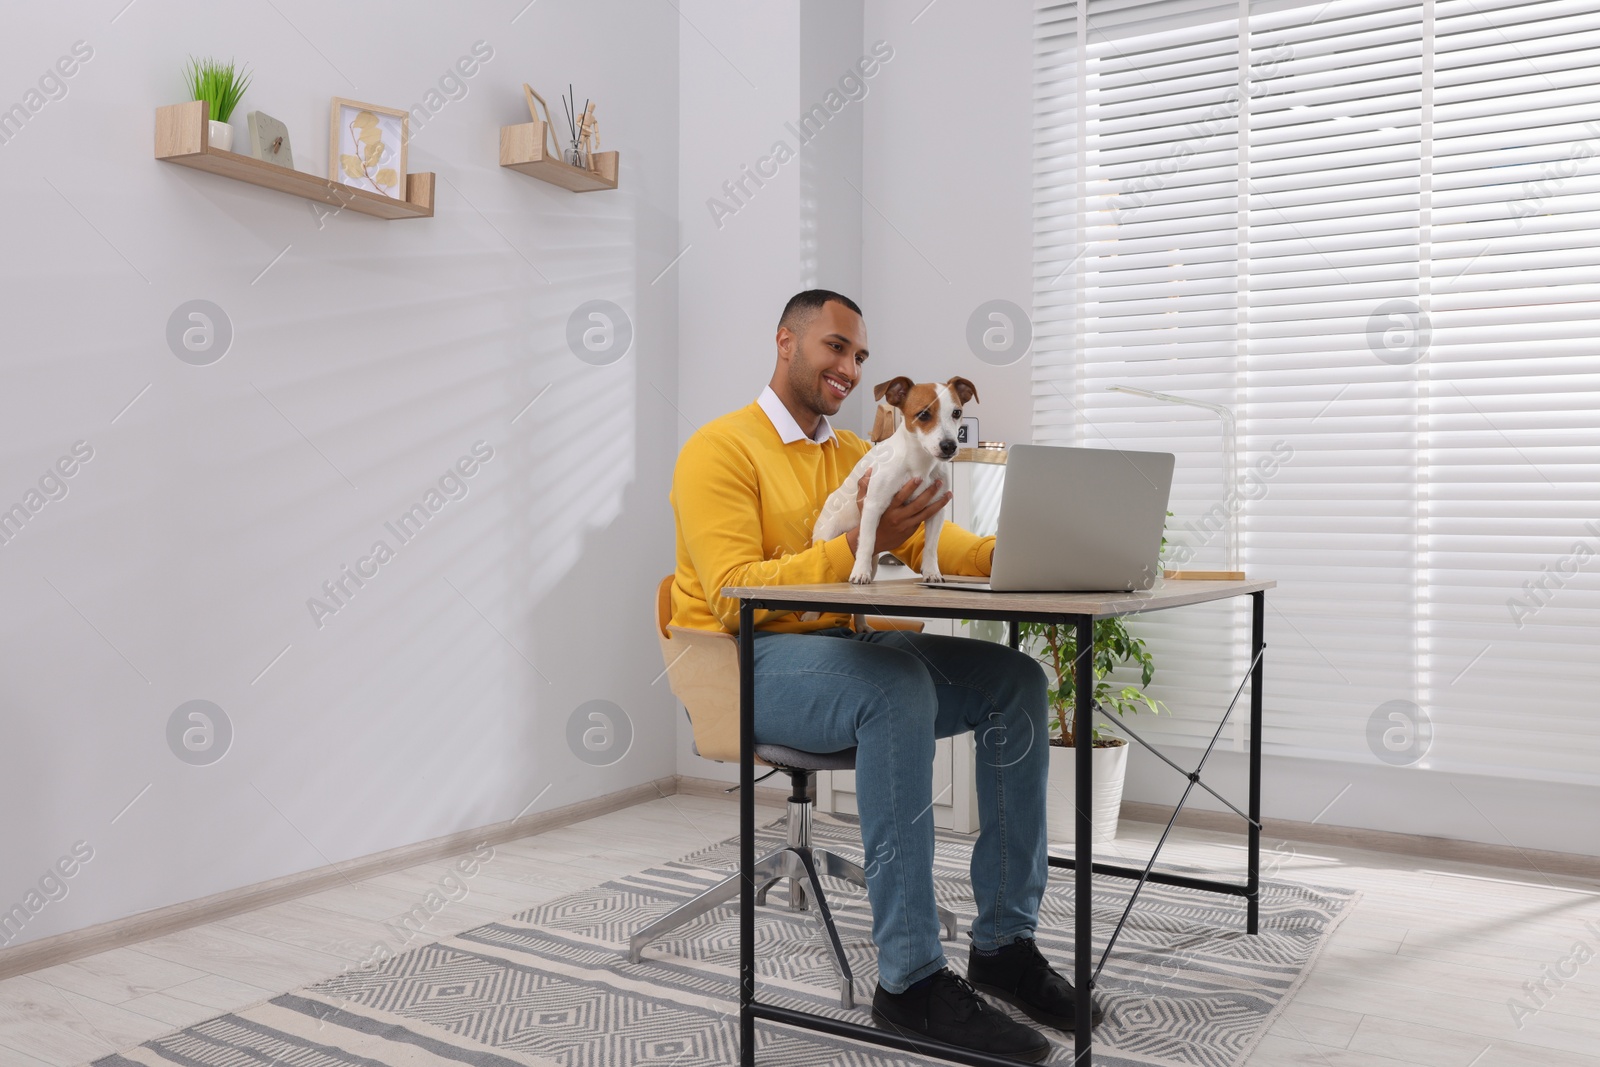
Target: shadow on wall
[(542, 599), (599, 532)]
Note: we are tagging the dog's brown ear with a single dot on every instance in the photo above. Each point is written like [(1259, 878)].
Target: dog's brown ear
[(965, 391), (894, 390)]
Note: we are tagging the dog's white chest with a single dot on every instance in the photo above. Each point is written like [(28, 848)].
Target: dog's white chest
[(893, 462)]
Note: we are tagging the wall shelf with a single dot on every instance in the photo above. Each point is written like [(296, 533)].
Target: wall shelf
[(522, 148), (183, 137)]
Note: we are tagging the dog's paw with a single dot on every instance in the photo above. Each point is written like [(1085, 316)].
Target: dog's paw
[(860, 578), (934, 575)]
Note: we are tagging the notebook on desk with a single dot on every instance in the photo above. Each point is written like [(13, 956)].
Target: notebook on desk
[(1076, 520)]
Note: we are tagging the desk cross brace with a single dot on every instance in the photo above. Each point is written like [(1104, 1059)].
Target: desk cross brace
[(1194, 780)]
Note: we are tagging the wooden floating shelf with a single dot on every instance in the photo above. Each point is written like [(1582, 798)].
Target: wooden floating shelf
[(522, 148), (183, 136)]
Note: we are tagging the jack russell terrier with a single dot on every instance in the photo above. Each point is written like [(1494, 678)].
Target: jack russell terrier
[(923, 421)]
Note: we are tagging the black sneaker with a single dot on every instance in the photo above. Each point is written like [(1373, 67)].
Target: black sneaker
[(1020, 975), (946, 1008)]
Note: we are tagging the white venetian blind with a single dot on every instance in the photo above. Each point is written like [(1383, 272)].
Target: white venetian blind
[(1513, 388), (1369, 229)]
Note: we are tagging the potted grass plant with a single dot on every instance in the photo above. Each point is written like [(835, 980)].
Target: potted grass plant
[(219, 85)]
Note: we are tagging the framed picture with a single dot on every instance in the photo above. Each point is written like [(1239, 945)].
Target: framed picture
[(535, 101), (367, 147)]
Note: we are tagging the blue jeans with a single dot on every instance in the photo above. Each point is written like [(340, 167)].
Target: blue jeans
[(889, 694)]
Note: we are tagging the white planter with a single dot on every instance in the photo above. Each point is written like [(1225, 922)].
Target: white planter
[(221, 135), (1110, 766)]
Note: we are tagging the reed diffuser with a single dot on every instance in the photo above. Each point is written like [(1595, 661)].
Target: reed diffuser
[(575, 154)]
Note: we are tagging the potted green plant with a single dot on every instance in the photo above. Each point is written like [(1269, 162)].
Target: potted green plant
[(219, 85), (1056, 647)]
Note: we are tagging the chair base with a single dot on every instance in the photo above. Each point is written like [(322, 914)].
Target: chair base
[(803, 865)]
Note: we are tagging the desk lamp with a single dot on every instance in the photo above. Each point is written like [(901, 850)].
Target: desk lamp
[(1232, 502)]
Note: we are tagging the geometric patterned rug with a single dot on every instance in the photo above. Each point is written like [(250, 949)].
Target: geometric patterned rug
[(1186, 987)]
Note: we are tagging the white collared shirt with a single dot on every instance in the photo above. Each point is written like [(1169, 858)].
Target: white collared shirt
[(789, 431)]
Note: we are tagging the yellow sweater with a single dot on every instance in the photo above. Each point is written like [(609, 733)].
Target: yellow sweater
[(744, 504)]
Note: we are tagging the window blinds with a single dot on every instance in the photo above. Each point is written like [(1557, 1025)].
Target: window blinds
[(1369, 229)]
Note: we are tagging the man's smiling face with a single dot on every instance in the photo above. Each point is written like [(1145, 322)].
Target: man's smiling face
[(825, 357)]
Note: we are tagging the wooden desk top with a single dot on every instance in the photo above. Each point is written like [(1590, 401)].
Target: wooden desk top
[(905, 596)]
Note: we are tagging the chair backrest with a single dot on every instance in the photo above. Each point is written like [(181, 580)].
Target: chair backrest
[(703, 672)]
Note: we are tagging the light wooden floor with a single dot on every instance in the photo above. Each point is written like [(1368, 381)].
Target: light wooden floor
[(1422, 972)]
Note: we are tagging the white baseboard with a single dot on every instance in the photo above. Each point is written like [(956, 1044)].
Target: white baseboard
[(76, 944), (1415, 846)]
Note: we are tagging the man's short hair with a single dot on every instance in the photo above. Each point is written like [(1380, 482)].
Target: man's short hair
[(803, 307)]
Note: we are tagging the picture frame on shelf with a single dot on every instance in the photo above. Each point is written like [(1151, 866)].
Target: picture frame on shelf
[(535, 102), (367, 147), (181, 140)]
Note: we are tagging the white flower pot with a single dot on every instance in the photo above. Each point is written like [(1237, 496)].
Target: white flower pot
[(1110, 766), (221, 135)]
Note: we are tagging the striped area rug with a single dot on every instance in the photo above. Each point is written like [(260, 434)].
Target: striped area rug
[(1186, 986)]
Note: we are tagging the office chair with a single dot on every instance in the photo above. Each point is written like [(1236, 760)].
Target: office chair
[(703, 672)]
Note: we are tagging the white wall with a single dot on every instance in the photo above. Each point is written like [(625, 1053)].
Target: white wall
[(948, 186), (835, 77), (738, 67), (367, 357)]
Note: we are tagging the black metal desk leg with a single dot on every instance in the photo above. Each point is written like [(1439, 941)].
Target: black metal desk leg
[(1083, 844), (1258, 611), (1014, 633), (747, 833)]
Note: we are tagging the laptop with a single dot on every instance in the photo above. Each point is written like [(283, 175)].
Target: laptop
[(1076, 520)]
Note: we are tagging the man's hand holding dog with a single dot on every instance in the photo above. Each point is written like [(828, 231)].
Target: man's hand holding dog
[(907, 510)]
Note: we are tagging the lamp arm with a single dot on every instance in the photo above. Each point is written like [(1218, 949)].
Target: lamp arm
[(1230, 457)]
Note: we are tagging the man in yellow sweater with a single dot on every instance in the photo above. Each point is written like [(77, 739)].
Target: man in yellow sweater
[(747, 489)]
